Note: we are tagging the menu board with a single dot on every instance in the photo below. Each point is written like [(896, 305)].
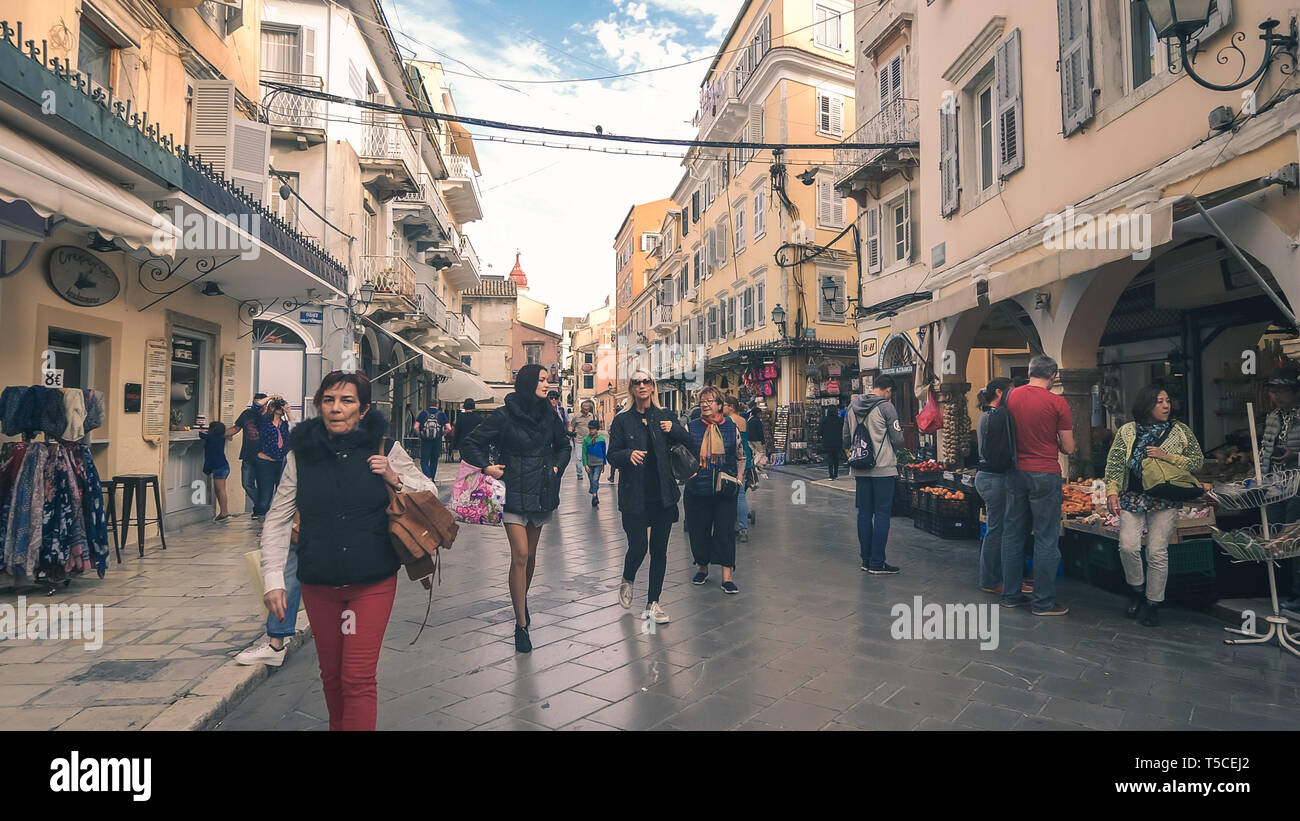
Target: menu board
[(155, 389), (227, 411)]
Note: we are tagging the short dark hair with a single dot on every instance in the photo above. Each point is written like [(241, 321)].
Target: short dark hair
[(258, 396), (334, 378), (999, 383), (884, 381), (217, 428), (469, 404), (1145, 402)]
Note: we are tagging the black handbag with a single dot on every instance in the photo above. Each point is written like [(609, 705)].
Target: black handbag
[(725, 486)]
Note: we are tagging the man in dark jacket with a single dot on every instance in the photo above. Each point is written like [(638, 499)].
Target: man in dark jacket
[(465, 424), (875, 485), (829, 432)]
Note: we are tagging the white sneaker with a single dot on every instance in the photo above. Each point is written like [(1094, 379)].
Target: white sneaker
[(659, 615), (625, 594), (264, 653)]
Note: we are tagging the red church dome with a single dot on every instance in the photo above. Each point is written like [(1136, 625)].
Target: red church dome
[(517, 275)]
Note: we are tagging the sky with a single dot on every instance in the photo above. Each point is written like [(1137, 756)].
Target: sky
[(561, 209)]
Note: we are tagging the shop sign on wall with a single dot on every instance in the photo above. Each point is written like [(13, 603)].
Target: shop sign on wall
[(311, 317), (227, 412), (155, 390)]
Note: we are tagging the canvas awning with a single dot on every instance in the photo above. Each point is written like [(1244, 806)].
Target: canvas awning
[(52, 186), (461, 386)]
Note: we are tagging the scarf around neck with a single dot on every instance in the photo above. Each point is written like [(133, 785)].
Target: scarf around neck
[(1148, 434), (713, 450)]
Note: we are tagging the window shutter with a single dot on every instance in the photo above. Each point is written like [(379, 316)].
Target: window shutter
[(1076, 64), (760, 304), (731, 316), (891, 81), (722, 244), (250, 157), (309, 51), (1220, 17), (713, 323), (212, 123), (824, 193), (841, 298), (740, 229), (1010, 108), (907, 225), (695, 207), (823, 112), (873, 240), (949, 180), (835, 108)]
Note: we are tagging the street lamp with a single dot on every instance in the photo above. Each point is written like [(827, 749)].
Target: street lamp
[(1178, 20), (367, 295), (778, 318)]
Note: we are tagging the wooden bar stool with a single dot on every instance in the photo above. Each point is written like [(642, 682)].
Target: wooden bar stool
[(110, 506), (136, 484)]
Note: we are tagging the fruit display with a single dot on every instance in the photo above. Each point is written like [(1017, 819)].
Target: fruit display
[(944, 493), (1077, 500)]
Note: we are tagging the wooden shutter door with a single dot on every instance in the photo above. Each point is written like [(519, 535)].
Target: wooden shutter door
[(212, 123), (949, 179), (873, 240), (1009, 107)]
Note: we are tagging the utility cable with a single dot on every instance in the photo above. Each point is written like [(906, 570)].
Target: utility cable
[(583, 135)]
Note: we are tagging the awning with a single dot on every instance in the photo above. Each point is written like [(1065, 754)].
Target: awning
[(430, 364), (52, 186), (462, 386)]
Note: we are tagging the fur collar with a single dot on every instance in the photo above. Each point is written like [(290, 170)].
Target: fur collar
[(311, 442)]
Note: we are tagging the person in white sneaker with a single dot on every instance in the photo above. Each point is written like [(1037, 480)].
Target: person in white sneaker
[(278, 630), (639, 439)]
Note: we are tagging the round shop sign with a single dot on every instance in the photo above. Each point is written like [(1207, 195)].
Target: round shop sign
[(81, 278)]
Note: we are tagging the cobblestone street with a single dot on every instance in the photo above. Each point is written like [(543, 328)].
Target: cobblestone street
[(806, 645)]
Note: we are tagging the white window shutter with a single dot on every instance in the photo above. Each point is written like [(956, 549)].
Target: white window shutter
[(873, 240), (760, 304), (308, 51), (949, 178), (837, 116), (907, 225), (1010, 108), (1075, 35), (825, 212), (841, 298), (823, 113), (212, 123), (1220, 17), (250, 157)]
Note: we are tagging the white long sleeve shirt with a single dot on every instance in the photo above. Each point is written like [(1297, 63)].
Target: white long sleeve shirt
[(277, 531)]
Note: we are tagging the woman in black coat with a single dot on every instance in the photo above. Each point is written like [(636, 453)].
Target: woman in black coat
[(639, 439), (534, 447)]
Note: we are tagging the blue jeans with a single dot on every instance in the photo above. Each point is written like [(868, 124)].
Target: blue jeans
[(276, 628), (430, 451), (594, 473), (268, 479), (992, 488), (742, 509), (248, 478), (875, 501), (1036, 498)]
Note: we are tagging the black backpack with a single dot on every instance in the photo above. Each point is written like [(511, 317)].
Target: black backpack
[(998, 450), (862, 451)]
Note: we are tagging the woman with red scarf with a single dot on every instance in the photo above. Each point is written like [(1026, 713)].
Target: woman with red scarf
[(710, 499)]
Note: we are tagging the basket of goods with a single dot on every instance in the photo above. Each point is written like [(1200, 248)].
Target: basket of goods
[(929, 470), (1249, 494), (1254, 544), (1076, 501)]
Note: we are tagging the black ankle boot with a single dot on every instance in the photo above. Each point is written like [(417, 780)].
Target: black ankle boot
[(523, 644), (1151, 616), (1135, 598)]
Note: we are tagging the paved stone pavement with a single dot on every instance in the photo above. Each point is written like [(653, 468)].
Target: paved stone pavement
[(806, 644), (172, 622)]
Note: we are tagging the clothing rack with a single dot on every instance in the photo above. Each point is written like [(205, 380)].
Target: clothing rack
[(53, 524)]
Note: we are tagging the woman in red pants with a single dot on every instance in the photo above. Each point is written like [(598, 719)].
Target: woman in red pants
[(336, 477)]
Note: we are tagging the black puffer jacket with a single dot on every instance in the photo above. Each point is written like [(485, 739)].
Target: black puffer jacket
[(531, 449), (629, 433)]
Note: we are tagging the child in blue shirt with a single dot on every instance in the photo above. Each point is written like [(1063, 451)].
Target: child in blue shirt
[(215, 464), (594, 447)]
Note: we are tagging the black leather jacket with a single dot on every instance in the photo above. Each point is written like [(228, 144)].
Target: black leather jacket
[(628, 433)]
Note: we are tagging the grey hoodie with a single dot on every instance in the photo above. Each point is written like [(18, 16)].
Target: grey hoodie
[(882, 424)]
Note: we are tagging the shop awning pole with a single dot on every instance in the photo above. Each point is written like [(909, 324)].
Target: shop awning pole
[(395, 367), (1236, 252)]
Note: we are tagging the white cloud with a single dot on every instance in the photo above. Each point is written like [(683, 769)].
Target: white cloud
[(561, 208), (718, 14)]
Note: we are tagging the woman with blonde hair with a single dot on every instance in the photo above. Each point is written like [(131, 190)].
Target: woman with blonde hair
[(639, 442), (710, 498)]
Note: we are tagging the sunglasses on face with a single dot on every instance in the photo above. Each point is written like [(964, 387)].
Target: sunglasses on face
[(639, 382)]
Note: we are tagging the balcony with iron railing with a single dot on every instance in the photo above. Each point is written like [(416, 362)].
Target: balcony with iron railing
[(469, 333), (388, 154), (425, 205), (897, 126), (286, 110), (392, 277), (661, 319), (432, 306), (461, 188), (465, 273), (720, 107)]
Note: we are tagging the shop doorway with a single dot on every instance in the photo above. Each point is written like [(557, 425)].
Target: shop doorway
[(898, 360), (279, 364)]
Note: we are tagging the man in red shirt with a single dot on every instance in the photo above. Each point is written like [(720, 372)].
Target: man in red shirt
[(1044, 429)]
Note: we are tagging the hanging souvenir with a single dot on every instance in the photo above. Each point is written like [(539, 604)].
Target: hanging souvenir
[(833, 371), (833, 385)]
